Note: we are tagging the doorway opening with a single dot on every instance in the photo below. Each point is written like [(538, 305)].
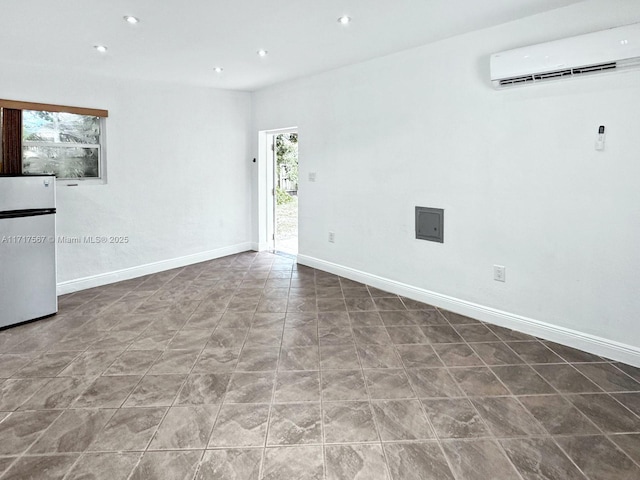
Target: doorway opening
[(285, 192), (278, 190)]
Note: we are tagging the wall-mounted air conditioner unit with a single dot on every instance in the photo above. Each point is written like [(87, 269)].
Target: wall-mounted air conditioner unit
[(616, 49)]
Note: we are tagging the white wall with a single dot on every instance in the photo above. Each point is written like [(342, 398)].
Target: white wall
[(178, 168), (516, 172)]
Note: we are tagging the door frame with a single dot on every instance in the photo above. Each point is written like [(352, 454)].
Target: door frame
[(266, 186)]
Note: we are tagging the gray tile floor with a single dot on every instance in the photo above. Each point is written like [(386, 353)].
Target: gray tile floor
[(251, 367)]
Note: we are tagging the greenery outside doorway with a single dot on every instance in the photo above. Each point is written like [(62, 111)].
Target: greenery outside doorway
[(286, 189)]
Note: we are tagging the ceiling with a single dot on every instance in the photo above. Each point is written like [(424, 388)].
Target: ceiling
[(182, 41)]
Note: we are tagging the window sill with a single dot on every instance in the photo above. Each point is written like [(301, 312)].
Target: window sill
[(79, 182)]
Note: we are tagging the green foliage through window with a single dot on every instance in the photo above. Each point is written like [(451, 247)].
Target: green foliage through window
[(65, 144)]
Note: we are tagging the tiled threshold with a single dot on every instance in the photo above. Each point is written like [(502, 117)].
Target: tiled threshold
[(252, 367)]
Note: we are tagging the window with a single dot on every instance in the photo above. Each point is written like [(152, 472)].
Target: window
[(65, 141), (65, 144)]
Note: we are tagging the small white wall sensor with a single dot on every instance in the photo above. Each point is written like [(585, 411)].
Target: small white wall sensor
[(600, 138)]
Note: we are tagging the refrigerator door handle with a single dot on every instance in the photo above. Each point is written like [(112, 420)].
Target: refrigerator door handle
[(33, 212)]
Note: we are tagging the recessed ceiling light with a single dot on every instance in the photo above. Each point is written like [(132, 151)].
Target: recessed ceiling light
[(100, 48), (218, 69), (344, 20), (262, 53), (131, 20)]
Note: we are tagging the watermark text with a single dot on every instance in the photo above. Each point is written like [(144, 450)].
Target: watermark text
[(63, 239)]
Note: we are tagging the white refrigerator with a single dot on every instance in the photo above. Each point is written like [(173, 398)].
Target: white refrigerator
[(27, 248)]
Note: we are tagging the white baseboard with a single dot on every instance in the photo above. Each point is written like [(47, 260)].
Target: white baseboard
[(149, 268), (565, 336)]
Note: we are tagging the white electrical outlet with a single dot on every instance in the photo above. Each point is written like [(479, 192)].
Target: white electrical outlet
[(312, 176), (332, 237), (499, 273)]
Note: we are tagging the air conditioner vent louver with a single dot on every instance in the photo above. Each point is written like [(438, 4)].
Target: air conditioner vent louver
[(571, 72), (595, 68), (550, 75), (516, 81)]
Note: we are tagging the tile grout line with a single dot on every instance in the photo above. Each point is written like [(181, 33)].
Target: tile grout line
[(38, 437), (517, 399), (558, 393), (177, 395), (179, 391), (519, 402), (565, 396), (173, 403), (366, 385), (323, 438), (274, 387), (424, 412), (320, 379), (494, 439), (223, 398)]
